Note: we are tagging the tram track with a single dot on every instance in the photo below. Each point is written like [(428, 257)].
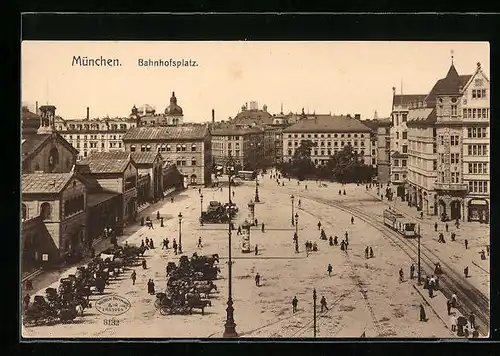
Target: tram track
[(471, 300)]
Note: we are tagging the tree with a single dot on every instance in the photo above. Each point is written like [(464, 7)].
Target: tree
[(347, 166), (301, 162)]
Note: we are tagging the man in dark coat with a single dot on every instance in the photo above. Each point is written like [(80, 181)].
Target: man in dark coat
[(366, 252), (466, 272), (466, 244), (352, 220), (329, 269), (263, 227), (133, 277), (294, 304), (26, 301), (448, 306), (330, 241), (335, 240), (256, 250), (323, 304), (423, 317), (412, 270), (436, 226), (472, 320), (400, 275), (446, 227), (257, 280), (371, 252)]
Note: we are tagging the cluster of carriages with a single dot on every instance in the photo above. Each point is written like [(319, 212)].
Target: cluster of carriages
[(189, 285), (218, 214), (72, 296)]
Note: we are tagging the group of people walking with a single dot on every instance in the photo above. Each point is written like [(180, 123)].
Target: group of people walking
[(166, 241), (149, 243)]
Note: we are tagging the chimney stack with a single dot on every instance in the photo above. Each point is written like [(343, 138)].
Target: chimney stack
[(36, 108), (357, 116), (88, 113), (213, 116)]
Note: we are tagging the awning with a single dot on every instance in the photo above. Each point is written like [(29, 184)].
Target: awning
[(478, 202)]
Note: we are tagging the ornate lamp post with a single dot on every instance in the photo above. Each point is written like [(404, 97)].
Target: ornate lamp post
[(256, 199), (230, 325), (180, 232), (201, 205), (292, 197), (297, 224), (314, 306)]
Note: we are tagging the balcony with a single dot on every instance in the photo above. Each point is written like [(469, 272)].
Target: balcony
[(451, 186)]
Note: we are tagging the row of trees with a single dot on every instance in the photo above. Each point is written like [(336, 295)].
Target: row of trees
[(344, 166)]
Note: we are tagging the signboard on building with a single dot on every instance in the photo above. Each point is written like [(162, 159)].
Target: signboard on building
[(45, 256)]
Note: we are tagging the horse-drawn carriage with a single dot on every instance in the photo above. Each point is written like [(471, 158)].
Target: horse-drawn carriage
[(219, 214)]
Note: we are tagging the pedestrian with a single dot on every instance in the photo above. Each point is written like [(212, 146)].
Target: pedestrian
[(330, 241), (342, 245), (329, 269), (142, 243), (300, 204), (294, 304), (344, 192), (457, 223), (435, 226), (233, 193), (454, 300), (352, 219), (472, 320), (257, 280), (371, 252), (466, 272), (256, 250), (199, 242), (167, 241), (323, 304), (453, 235), (346, 235), (335, 240), (340, 192), (151, 244), (174, 245), (297, 247), (488, 250), (319, 225), (453, 323), (412, 270), (400, 275), (133, 277), (423, 317), (306, 186), (256, 222), (448, 306), (239, 230), (144, 265), (446, 227), (466, 243), (421, 215), (163, 244), (26, 301), (199, 190), (149, 286), (29, 285), (366, 252), (263, 226)]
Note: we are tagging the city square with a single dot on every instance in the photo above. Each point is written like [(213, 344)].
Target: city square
[(279, 225)]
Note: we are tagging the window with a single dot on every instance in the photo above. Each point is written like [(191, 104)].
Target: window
[(396, 176), (403, 163), (336, 143), (183, 148), (178, 148), (361, 153), (45, 211), (434, 165), (396, 163), (193, 162), (404, 116), (373, 152), (362, 143), (24, 212), (441, 138), (148, 148), (434, 148), (405, 135), (397, 135), (289, 143), (132, 148), (453, 110), (454, 141), (405, 148), (373, 161), (455, 158), (356, 143)]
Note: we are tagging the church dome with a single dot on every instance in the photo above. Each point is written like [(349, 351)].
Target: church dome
[(145, 109), (173, 108)]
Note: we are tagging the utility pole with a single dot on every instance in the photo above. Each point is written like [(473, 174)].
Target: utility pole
[(314, 303), (418, 273)]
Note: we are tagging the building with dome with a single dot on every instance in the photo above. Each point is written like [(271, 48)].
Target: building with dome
[(173, 113)]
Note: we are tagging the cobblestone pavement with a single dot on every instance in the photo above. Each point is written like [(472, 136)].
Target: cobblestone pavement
[(364, 295)]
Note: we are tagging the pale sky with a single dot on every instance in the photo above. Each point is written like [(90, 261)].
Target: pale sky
[(336, 77)]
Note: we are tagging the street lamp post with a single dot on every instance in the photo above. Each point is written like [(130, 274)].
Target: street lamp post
[(180, 232), (292, 197), (418, 273), (297, 224), (201, 205), (314, 306), (257, 200)]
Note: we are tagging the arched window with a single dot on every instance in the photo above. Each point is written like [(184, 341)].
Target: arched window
[(53, 159), (24, 211), (45, 211)]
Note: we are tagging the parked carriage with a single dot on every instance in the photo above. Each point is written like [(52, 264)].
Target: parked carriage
[(398, 222)]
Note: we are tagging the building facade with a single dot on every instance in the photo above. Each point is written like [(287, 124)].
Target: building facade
[(147, 116), (187, 146), (399, 139), (381, 147), (241, 146), (449, 139), (329, 135)]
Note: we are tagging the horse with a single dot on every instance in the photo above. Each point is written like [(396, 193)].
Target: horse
[(206, 289)]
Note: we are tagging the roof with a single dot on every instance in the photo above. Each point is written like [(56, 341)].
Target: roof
[(27, 114), (44, 182), (328, 123), (145, 157), (115, 163), (109, 155), (31, 142), (407, 99), (166, 133), (253, 115), (375, 123), (397, 154), (451, 84), (421, 116), (97, 198)]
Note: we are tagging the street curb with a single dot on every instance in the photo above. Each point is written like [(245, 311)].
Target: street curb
[(480, 267), (32, 275)]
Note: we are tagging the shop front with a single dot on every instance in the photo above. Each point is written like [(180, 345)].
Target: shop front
[(478, 210)]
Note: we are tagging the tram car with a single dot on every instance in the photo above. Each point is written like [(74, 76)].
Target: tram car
[(399, 223)]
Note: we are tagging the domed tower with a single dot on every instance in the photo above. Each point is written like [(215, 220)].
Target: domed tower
[(47, 115), (173, 112)]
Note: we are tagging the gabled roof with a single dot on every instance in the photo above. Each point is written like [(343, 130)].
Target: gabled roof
[(145, 157), (116, 162), (109, 155), (397, 154), (137, 157), (166, 133), (327, 123), (49, 183), (233, 130), (252, 115), (33, 142), (450, 85)]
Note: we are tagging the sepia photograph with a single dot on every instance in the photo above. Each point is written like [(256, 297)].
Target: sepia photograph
[(254, 189)]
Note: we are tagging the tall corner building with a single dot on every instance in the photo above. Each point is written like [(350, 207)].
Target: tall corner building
[(449, 148)]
